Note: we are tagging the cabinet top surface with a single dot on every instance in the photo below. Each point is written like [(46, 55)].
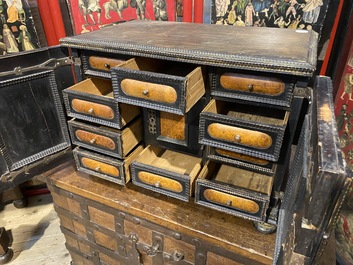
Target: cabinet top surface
[(251, 48)]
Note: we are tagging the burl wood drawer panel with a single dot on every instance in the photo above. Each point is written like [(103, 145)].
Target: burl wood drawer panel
[(114, 142), (92, 100), (173, 131), (95, 63), (166, 171), (158, 84), (243, 161), (234, 190), (264, 88), (105, 167), (249, 130)]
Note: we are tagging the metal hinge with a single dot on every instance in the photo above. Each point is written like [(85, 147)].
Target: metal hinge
[(50, 64)]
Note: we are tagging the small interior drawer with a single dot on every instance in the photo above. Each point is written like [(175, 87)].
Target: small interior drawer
[(173, 131), (92, 100), (109, 141), (254, 131), (242, 161), (103, 63), (99, 63), (105, 167), (234, 190), (261, 87), (165, 171), (157, 84)]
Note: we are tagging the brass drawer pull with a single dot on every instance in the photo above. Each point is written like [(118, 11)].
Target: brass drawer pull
[(250, 87), (237, 138), (90, 111), (107, 66), (97, 169), (92, 141), (145, 92), (157, 184), (229, 203)]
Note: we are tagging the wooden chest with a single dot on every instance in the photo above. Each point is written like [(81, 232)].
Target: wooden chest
[(239, 132), (106, 224)]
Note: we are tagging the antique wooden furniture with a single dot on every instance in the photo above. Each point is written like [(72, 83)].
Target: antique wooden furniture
[(110, 224), (220, 127), (219, 118)]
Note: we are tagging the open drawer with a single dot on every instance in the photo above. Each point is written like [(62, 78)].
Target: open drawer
[(158, 84), (249, 130), (92, 100), (233, 190), (105, 167), (109, 141), (243, 161), (165, 171)]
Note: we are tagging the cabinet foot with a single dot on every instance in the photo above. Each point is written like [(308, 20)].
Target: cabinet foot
[(21, 203), (265, 228), (6, 257)]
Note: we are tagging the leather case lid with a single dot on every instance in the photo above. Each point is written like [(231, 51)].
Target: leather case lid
[(236, 47)]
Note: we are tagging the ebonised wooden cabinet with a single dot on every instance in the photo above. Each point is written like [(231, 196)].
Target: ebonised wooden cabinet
[(223, 124)]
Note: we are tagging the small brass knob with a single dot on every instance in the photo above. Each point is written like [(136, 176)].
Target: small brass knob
[(157, 184), (237, 138), (250, 87), (145, 92), (229, 203), (90, 111), (92, 141), (98, 168), (107, 66)]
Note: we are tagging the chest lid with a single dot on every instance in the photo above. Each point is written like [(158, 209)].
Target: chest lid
[(260, 49)]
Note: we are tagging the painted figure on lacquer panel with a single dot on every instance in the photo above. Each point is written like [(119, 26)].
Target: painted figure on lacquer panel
[(89, 15), (17, 31), (293, 14)]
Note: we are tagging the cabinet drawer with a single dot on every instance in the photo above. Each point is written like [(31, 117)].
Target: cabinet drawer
[(113, 142), (243, 161), (157, 84), (165, 171), (243, 129), (233, 190), (99, 63), (262, 88), (92, 100), (105, 167), (173, 131)]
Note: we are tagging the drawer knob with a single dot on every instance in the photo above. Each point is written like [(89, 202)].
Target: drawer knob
[(145, 92), (157, 184), (107, 66), (237, 138), (250, 87), (97, 168), (90, 111), (229, 203), (92, 141)]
